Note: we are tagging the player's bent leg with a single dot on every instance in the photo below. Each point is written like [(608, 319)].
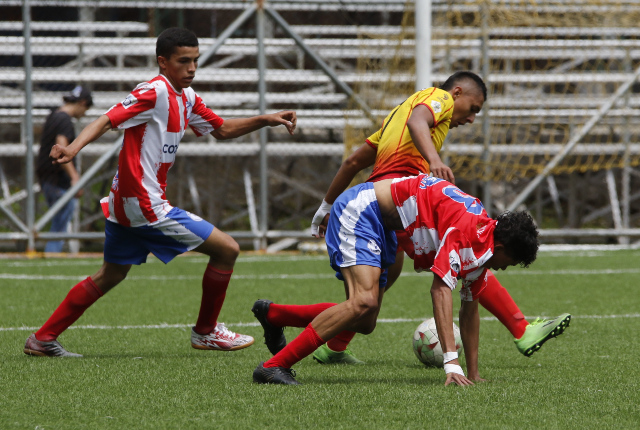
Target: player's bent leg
[(110, 275), (540, 331), (336, 351), (362, 305), (208, 333), (359, 313), (221, 248)]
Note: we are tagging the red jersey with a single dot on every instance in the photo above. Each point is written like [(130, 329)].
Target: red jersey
[(154, 118), (452, 234)]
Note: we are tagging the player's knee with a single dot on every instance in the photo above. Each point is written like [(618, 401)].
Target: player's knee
[(108, 277), (112, 279), (231, 250), (235, 250), (365, 308)]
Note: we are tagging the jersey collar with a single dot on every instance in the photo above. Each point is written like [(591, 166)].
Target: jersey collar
[(170, 85)]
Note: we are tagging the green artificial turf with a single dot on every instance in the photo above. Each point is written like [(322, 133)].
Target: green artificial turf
[(139, 370)]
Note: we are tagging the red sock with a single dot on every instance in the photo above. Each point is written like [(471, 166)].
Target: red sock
[(79, 298), (214, 290), (295, 315), (303, 345), (341, 341), (497, 300)]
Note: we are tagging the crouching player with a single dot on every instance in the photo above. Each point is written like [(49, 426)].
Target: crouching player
[(454, 238)]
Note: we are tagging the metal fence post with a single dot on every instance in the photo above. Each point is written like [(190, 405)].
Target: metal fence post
[(486, 125), (262, 90), (28, 123), (422, 36)]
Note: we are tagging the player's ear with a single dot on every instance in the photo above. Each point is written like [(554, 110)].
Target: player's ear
[(457, 92)]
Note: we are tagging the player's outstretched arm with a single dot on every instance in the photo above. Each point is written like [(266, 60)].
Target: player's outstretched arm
[(237, 127), (362, 158), (470, 333), (63, 154), (419, 125), (443, 314)]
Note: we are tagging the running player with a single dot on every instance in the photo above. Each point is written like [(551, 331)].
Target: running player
[(408, 143), (140, 219), (454, 238)]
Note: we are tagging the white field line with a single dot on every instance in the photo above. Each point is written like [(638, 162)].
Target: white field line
[(256, 324), (593, 251), (523, 272), (152, 260)]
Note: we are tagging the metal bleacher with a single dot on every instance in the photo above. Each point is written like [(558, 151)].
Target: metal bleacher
[(130, 57), (112, 57)]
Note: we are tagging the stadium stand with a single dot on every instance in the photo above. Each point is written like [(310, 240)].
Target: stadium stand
[(552, 65)]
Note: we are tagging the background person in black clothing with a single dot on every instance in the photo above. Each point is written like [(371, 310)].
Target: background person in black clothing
[(55, 180)]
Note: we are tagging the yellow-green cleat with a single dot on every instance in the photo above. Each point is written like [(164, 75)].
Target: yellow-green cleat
[(325, 355), (540, 331)]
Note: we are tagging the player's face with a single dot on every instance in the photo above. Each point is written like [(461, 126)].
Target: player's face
[(181, 67), (500, 260), (466, 106)]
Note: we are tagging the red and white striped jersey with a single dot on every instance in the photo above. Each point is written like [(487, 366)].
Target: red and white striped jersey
[(450, 230), (155, 117)]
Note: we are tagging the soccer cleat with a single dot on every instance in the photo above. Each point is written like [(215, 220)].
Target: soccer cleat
[(274, 375), (540, 331), (53, 348), (273, 336), (221, 339), (325, 355)]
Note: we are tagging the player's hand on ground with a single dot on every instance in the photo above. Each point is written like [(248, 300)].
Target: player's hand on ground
[(286, 117), (457, 379), (442, 171), (61, 154), (476, 378)]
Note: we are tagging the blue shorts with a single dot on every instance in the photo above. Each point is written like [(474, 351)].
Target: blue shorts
[(355, 234), (179, 232)]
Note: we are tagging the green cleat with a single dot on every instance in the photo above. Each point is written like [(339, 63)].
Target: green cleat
[(540, 331), (324, 355)]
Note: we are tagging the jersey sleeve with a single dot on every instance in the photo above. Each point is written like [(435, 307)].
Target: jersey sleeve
[(374, 140), (135, 109), (440, 103), (447, 263), (202, 119)]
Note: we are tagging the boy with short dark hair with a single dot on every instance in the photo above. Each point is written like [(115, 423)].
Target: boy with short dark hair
[(140, 219)]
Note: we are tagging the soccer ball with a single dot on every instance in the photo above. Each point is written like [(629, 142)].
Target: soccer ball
[(426, 344)]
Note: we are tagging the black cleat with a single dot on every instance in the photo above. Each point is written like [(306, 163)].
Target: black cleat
[(273, 336), (274, 375)]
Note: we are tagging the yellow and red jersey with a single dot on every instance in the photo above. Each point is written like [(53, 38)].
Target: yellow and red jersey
[(397, 156)]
